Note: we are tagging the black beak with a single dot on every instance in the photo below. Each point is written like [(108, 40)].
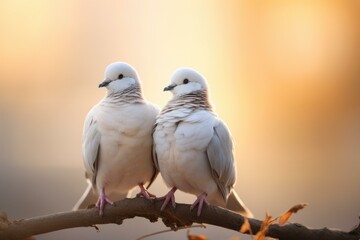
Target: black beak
[(104, 83), (170, 87)]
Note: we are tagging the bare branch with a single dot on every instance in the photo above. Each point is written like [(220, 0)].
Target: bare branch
[(173, 218)]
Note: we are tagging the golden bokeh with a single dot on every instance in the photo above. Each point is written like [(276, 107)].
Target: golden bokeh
[(283, 75)]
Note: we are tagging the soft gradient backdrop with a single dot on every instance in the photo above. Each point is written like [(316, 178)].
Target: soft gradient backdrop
[(284, 76)]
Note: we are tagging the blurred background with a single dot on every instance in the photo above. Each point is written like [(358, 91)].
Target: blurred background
[(283, 75)]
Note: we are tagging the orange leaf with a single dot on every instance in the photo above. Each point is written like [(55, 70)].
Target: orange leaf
[(195, 237), (245, 227), (285, 217), (260, 235)]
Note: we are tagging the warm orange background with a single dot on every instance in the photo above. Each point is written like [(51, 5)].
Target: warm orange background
[(284, 76)]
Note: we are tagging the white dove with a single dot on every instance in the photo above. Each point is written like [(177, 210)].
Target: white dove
[(193, 148), (117, 140)]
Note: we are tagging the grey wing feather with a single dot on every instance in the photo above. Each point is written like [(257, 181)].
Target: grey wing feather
[(155, 160), (155, 170), (89, 197), (91, 147), (221, 159)]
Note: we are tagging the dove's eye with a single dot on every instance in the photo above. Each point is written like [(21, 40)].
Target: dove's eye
[(186, 81), (121, 76)]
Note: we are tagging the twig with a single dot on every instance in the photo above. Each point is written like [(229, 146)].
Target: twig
[(169, 230)]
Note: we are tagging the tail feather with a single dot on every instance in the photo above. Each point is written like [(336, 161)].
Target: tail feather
[(235, 204), (89, 197)]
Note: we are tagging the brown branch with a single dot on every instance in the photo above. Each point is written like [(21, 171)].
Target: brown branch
[(173, 218)]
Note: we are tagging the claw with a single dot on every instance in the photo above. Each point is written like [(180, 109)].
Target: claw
[(200, 201), (145, 193), (168, 197), (102, 200)]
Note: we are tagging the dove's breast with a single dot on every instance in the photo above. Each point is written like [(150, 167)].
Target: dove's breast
[(125, 147), (181, 150)]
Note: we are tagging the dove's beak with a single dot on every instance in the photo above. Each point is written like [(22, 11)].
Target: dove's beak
[(170, 87), (104, 83)]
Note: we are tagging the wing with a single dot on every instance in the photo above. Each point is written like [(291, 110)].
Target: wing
[(154, 155), (155, 161), (156, 169), (221, 158), (91, 146)]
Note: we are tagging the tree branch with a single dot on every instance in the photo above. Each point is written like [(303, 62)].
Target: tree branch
[(173, 218)]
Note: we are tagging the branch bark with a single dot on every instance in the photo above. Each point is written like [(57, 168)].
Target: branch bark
[(173, 218)]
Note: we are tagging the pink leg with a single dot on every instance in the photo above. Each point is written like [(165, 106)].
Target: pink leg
[(169, 196), (102, 200), (145, 193), (199, 201)]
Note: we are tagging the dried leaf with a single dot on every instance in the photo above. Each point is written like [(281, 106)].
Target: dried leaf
[(96, 228), (195, 237), (285, 217), (245, 227), (260, 235)]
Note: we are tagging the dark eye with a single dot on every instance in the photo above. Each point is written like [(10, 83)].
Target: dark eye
[(121, 76), (186, 81)]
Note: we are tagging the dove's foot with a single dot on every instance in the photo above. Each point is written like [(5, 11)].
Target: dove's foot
[(145, 193), (168, 197), (199, 201), (102, 200)]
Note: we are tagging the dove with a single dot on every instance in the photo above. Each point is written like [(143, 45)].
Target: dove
[(117, 140), (193, 148)]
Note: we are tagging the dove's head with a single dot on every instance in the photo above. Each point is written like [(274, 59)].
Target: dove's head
[(186, 80), (119, 76)]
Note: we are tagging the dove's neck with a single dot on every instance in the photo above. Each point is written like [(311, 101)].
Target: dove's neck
[(129, 95), (197, 100)]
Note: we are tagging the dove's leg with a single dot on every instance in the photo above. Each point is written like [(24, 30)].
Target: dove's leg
[(169, 196), (145, 193), (102, 200), (200, 201)]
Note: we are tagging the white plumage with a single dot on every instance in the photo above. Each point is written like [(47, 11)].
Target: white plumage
[(193, 147), (117, 139)]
